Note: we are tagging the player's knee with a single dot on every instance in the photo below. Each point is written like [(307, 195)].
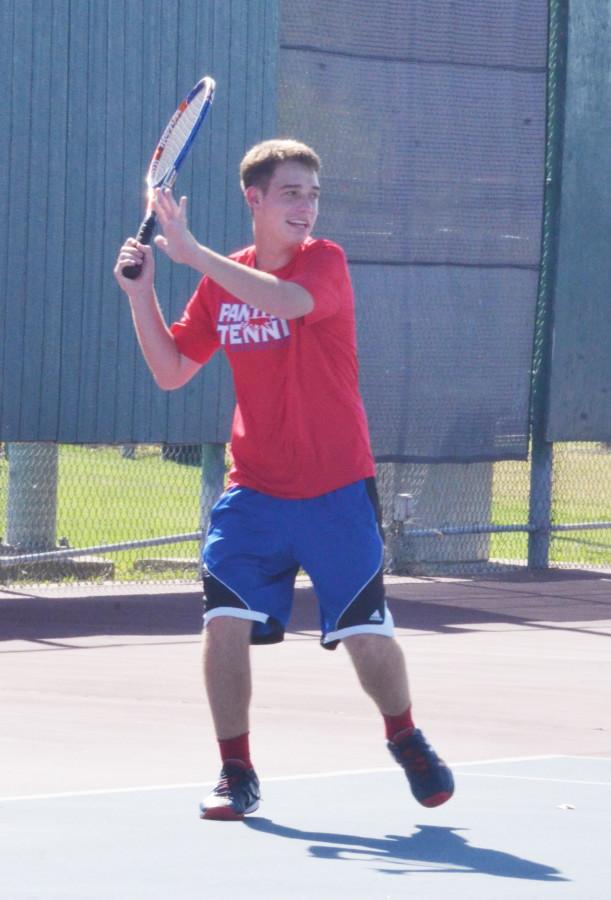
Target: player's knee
[(223, 629), (367, 643)]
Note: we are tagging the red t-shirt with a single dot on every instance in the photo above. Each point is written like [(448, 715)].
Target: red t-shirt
[(299, 428)]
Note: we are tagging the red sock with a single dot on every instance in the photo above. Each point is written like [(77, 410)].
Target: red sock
[(236, 748), (396, 725)]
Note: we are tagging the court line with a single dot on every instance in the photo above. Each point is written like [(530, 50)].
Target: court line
[(512, 759), (136, 789), (531, 778), (603, 758), (189, 784)]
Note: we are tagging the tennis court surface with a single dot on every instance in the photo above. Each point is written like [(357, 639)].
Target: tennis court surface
[(107, 746)]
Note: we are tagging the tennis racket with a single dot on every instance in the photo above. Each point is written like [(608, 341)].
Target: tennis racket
[(173, 146)]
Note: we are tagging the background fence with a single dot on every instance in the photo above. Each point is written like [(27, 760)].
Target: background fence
[(465, 173), (151, 499)]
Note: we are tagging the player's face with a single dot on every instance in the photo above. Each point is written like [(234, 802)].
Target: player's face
[(287, 211)]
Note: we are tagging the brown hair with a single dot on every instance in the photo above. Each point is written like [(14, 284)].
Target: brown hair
[(259, 164)]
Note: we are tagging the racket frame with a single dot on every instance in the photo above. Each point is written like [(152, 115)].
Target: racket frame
[(147, 227)]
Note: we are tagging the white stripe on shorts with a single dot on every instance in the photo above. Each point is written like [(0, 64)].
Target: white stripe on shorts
[(386, 628), (235, 612)]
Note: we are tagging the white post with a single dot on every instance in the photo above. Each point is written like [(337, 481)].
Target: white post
[(32, 496), (213, 480)]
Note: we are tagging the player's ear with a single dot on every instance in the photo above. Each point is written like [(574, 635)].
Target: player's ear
[(252, 195)]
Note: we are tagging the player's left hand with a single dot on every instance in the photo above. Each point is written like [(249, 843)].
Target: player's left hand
[(176, 241)]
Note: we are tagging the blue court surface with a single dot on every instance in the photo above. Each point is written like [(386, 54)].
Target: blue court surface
[(107, 745), (516, 828)]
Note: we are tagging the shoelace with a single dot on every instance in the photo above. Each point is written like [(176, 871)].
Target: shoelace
[(417, 762), (416, 759), (226, 782)]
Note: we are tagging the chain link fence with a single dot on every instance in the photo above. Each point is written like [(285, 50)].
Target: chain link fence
[(73, 514), (105, 513), (475, 518)]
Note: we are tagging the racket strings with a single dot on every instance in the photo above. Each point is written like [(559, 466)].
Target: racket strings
[(176, 139)]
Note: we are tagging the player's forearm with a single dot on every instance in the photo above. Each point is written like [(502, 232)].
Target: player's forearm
[(157, 343), (264, 291)]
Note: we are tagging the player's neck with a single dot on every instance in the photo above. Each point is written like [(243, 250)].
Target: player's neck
[(271, 257)]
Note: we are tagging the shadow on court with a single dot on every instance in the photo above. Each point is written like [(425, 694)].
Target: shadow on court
[(430, 848), (523, 599), (431, 605), (31, 618)]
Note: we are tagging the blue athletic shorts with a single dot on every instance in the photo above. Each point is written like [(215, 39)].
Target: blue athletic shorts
[(256, 544)]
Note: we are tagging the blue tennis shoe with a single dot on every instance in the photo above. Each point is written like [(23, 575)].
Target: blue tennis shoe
[(430, 779), (236, 794)]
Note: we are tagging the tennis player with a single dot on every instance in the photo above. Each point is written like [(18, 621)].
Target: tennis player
[(301, 490)]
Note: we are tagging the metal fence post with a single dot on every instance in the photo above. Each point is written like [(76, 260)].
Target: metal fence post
[(540, 501), (213, 480), (540, 504)]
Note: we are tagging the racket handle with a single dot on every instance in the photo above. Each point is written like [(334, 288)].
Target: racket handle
[(143, 237)]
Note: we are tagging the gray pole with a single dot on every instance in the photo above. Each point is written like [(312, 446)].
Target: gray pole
[(32, 496), (540, 511), (213, 480)]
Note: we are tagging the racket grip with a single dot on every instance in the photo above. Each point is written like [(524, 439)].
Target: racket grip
[(144, 236)]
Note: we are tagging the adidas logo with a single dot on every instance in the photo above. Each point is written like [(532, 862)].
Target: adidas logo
[(376, 616)]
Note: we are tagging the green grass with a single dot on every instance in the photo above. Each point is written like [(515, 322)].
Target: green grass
[(104, 498), (582, 493)]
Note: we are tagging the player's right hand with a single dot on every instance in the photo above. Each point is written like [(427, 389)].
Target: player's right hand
[(133, 253)]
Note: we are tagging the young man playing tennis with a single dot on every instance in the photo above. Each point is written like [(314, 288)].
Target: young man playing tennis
[(302, 473)]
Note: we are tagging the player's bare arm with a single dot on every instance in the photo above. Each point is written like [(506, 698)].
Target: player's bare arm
[(169, 367), (275, 296)]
